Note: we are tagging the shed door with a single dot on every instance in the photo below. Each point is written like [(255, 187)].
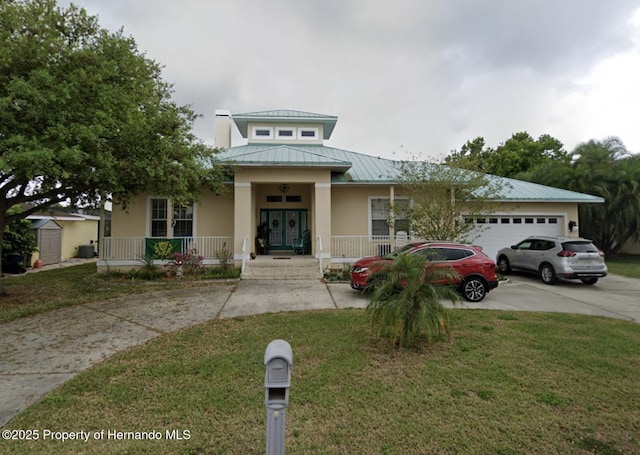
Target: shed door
[(50, 246)]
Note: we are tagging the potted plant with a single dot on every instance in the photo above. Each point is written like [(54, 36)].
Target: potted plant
[(262, 239)]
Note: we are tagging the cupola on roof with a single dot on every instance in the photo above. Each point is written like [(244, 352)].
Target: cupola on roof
[(284, 115)]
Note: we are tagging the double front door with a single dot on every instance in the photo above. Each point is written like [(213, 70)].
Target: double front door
[(284, 226)]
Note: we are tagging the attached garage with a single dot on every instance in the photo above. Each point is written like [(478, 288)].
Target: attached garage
[(49, 235), (528, 209), (496, 232)]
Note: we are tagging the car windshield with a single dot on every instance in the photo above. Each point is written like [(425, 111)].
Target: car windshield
[(399, 252), (580, 247)]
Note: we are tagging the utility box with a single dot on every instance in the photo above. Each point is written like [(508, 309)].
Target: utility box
[(86, 251)]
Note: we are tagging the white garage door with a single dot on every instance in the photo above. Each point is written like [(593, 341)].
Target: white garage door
[(494, 233)]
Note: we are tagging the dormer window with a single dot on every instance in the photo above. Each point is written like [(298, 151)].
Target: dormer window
[(261, 132), (308, 133), (285, 133)]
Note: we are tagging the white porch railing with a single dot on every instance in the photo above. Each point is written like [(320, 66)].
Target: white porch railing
[(319, 240), (344, 248), (245, 243), (133, 248), (348, 248)]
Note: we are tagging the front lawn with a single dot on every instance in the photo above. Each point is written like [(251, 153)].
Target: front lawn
[(624, 264), (34, 293), (506, 383)]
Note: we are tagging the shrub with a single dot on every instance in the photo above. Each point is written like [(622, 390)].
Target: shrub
[(340, 274), (147, 270), (19, 241), (223, 255), (187, 263), (404, 303)]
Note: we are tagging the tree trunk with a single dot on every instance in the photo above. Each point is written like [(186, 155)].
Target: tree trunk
[(3, 224), (102, 226)]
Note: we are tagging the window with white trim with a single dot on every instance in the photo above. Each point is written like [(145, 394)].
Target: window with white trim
[(182, 221), (159, 213), (180, 224), (308, 133), (380, 211), (262, 132), (285, 133)]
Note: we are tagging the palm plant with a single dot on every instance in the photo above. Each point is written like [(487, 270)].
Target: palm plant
[(606, 169), (405, 301)]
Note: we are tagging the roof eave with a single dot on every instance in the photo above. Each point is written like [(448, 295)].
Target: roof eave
[(333, 167), (573, 201)]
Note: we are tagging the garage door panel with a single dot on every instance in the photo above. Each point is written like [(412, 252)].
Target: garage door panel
[(495, 233)]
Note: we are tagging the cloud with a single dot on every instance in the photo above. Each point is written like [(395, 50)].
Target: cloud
[(415, 76)]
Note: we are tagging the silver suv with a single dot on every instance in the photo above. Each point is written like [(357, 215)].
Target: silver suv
[(553, 258)]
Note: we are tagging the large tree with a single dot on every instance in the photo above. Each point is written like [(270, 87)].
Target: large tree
[(601, 168), (85, 116), (515, 157)]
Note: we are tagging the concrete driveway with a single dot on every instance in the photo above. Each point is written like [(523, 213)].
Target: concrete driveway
[(39, 353), (613, 296)]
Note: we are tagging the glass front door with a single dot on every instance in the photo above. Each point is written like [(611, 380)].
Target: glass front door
[(284, 227)]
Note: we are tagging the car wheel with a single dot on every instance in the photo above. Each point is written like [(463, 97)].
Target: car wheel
[(547, 274), (474, 289), (503, 264), (589, 280)]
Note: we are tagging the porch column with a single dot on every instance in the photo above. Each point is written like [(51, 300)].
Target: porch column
[(322, 219), (392, 218), (241, 218)]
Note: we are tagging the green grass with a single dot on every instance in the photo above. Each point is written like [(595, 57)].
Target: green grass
[(626, 264), (506, 383), (35, 293)]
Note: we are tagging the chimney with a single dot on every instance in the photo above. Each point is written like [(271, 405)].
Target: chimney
[(222, 129)]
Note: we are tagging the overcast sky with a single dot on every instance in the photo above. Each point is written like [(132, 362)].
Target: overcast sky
[(404, 78)]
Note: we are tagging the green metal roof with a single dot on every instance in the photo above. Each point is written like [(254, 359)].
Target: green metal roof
[(351, 168), (285, 115), (519, 190), (283, 155)]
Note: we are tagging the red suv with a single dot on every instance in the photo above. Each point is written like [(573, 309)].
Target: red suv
[(476, 270)]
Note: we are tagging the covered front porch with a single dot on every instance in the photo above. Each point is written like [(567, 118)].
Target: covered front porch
[(275, 208)]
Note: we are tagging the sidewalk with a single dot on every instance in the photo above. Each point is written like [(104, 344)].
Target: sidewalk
[(41, 352)]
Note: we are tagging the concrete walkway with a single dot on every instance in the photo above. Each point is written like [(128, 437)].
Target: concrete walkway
[(39, 353)]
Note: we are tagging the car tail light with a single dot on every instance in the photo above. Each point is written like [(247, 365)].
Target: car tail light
[(566, 254), (601, 253)]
